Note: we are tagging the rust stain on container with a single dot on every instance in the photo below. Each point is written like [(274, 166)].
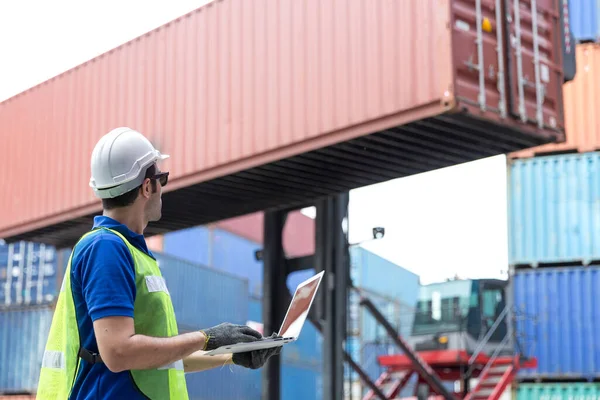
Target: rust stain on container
[(582, 122), (274, 103)]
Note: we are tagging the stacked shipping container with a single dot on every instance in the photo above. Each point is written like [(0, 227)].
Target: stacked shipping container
[(554, 236), (30, 277)]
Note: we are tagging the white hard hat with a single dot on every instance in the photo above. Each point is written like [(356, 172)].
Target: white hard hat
[(119, 162)]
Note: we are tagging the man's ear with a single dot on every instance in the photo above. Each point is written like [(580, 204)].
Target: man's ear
[(147, 188)]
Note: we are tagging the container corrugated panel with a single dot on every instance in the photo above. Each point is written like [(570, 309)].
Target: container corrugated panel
[(554, 209), (306, 351), (557, 391), (559, 321), (231, 245), (584, 19), (257, 89), (23, 334), (192, 244), (204, 296), (29, 274), (582, 123), (393, 289), (236, 255), (219, 249), (229, 382), (372, 272), (299, 382)]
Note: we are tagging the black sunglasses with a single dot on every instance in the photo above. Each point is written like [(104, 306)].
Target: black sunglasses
[(162, 177)]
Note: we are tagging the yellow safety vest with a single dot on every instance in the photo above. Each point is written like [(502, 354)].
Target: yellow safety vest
[(153, 316)]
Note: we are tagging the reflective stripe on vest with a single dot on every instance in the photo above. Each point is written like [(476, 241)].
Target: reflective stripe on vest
[(153, 316)]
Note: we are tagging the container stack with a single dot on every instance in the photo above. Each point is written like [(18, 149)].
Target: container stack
[(30, 278), (554, 236)]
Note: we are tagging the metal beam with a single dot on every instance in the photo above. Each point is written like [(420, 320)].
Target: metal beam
[(300, 263), (331, 256), (275, 290)]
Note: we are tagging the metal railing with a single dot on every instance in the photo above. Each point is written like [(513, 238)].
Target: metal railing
[(487, 337)]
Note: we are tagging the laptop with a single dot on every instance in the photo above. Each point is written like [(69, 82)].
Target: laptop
[(292, 323)]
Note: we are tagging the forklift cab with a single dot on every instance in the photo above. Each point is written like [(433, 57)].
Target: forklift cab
[(459, 307)]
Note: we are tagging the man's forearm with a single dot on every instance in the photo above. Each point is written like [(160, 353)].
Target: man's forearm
[(145, 352), (198, 361)]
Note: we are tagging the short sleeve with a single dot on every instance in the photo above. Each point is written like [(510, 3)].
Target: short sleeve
[(106, 272)]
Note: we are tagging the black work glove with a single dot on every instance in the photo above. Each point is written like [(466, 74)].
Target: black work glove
[(257, 358), (225, 334)]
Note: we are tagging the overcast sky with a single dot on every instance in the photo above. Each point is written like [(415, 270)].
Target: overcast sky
[(438, 224)]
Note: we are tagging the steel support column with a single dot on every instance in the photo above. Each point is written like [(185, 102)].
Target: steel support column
[(331, 255), (274, 294)]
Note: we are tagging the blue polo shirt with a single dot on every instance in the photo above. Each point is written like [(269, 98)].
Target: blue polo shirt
[(103, 285)]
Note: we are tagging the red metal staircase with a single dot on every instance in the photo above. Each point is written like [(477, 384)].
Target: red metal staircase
[(496, 376), (494, 373)]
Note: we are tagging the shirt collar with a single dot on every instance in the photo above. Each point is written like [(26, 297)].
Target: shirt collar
[(137, 240)]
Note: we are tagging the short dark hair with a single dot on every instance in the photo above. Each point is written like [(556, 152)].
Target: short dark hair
[(128, 198)]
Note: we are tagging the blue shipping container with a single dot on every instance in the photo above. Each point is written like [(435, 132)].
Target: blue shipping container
[(554, 209), (202, 296), (220, 249), (306, 351), (299, 382), (393, 289), (584, 18), (190, 244), (229, 382), (29, 274), (374, 273), (23, 334), (236, 255), (559, 320)]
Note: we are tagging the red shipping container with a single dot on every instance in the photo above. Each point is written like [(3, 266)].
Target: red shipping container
[(265, 103)]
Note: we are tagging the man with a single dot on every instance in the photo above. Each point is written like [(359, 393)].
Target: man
[(114, 333)]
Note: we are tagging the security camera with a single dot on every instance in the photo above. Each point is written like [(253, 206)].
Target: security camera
[(378, 232), (258, 255)]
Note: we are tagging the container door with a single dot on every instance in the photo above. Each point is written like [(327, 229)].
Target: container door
[(534, 80), (479, 54)]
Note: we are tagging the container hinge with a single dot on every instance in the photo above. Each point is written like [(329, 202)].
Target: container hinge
[(499, 50), (41, 274), (536, 63), (29, 269), (19, 283), (480, 67), (518, 51), (9, 269)]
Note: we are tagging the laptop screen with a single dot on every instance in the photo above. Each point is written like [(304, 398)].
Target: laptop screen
[(299, 307)]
